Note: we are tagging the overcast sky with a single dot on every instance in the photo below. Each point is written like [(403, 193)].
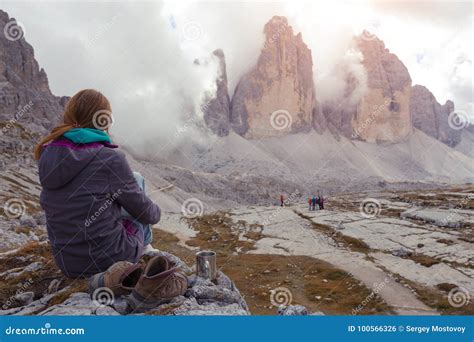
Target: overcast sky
[(140, 54)]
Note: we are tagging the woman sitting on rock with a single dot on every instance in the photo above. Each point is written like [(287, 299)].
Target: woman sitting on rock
[(96, 208)]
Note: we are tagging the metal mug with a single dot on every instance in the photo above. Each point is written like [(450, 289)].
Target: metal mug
[(206, 265)]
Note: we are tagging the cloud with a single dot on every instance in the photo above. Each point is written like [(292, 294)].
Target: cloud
[(132, 54)]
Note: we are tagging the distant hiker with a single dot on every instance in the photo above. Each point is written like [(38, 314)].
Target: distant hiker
[(313, 203), (321, 203), (282, 201), (309, 203), (97, 212)]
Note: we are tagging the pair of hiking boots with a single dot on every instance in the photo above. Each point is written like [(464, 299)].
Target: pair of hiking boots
[(146, 284)]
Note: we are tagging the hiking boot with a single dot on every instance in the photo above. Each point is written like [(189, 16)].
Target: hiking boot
[(161, 281), (121, 278)]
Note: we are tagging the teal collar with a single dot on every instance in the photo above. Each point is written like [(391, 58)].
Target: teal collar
[(87, 135)]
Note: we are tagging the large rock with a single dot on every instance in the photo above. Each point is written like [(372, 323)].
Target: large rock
[(431, 117), (277, 96), (383, 114), (217, 109), (25, 96)]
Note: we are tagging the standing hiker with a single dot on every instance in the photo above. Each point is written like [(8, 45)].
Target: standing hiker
[(321, 203), (313, 202), (309, 203), (282, 201)]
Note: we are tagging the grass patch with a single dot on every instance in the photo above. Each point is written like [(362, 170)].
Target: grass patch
[(313, 283), (437, 298), (446, 241), (422, 259), (218, 232), (35, 281)]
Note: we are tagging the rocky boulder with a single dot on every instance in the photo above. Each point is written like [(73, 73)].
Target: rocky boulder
[(277, 96), (383, 114), (433, 118), (216, 109)]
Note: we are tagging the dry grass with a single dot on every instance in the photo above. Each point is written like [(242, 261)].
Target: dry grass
[(441, 199), (219, 231), (36, 281), (437, 298), (422, 259), (313, 283)]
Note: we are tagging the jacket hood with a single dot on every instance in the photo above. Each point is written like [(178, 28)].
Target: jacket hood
[(62, 160)]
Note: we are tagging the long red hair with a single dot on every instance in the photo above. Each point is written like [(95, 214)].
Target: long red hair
[(81, 111)]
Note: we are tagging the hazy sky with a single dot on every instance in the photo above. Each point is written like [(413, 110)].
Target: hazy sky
[(140, 54)]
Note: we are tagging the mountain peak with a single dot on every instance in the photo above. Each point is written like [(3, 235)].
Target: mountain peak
[(277, 96)]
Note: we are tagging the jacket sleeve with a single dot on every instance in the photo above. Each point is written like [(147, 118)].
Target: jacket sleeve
[(129, 195)]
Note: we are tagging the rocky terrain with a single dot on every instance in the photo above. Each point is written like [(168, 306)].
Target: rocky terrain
[(386, 252), (38, 288), (414, 249), (394, 146), (24, 90)]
